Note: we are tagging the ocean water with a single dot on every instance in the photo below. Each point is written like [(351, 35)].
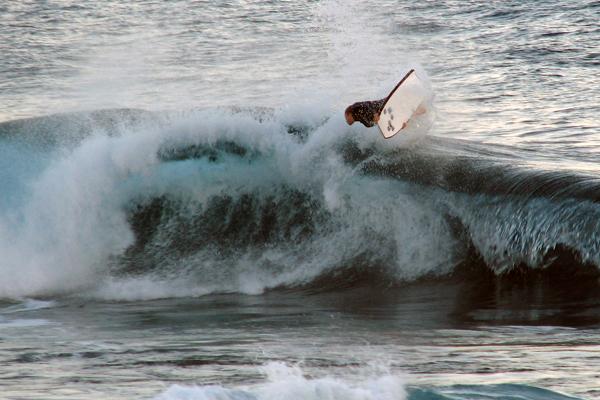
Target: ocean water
[(184, 213)]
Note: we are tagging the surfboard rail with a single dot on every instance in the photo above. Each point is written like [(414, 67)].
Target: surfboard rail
[(395, 88)]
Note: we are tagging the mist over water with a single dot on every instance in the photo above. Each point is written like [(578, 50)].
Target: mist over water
[(184, 213)]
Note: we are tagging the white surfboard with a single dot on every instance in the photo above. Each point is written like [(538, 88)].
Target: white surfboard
[(401, 104)]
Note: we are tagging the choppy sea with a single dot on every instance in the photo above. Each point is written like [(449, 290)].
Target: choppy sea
[(184, 213)]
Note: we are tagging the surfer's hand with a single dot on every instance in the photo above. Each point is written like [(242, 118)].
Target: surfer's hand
[(376, 117)]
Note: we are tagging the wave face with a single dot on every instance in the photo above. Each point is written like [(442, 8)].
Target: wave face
[(140, 205)]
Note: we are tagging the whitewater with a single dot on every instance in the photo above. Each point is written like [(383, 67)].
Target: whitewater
[(184, 213)]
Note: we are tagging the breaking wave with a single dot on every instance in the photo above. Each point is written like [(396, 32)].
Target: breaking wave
[(128, 204), (287, 382)]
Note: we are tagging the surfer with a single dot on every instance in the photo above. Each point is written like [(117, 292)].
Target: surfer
[(367, 112)]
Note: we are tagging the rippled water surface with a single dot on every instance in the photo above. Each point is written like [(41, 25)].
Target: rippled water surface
[(427, 336)]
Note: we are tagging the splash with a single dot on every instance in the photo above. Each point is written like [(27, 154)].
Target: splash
[(77, 221), (285, 382)]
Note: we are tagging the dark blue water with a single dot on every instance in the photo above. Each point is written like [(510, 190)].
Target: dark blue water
[(184, 213)]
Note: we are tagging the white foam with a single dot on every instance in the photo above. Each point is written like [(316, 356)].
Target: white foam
[(64, 234), (285, 382)]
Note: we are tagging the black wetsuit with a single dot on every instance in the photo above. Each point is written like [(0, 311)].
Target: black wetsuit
[(364, 111)]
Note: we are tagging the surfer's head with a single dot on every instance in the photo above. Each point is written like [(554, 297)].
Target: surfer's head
[(349, 116)]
